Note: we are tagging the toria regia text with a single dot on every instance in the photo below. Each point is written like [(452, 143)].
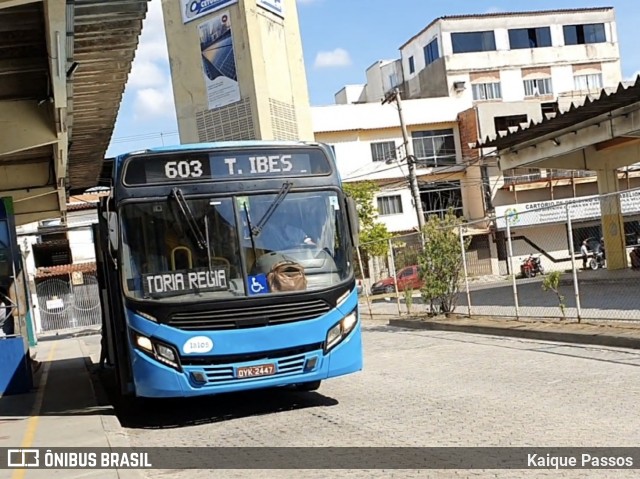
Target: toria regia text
[(186, 281)]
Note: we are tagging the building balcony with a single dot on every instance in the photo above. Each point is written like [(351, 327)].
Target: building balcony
[(512, 178)]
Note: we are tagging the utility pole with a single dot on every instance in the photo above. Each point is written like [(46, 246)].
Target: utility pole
[(394, 95)]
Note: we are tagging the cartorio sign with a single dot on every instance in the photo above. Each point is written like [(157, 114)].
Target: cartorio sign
[(172, 283)]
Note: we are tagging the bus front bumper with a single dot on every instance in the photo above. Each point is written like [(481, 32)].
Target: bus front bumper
[(155, 380)]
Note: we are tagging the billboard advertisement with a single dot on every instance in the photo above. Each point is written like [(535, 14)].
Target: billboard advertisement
[(555, 211), (275, 6), (192, 9), (218, 61)]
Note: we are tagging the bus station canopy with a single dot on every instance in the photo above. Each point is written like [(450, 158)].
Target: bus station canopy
[(63, 69)]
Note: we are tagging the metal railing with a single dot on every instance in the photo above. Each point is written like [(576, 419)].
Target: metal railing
[(65, 304), (515, 179), (532, 265)]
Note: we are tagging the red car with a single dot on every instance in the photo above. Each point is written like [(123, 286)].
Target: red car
[(408, 277)]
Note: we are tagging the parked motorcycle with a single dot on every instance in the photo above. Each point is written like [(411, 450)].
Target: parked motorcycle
[(597, 261), (531, 266)]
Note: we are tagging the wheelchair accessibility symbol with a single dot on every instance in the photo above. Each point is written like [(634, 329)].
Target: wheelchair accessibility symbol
[(258, 284)]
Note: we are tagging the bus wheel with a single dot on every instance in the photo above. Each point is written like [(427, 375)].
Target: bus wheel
[(310, 386)]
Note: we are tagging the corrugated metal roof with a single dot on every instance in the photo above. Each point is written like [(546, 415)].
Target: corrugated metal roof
[(605, 103), (375, 116), (506, 14), (105, 39)]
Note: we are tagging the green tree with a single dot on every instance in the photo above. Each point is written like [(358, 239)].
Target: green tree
[(373, 235), (552, 283), (441, 263)]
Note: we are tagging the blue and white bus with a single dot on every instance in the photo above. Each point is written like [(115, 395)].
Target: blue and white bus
[(227, 267)]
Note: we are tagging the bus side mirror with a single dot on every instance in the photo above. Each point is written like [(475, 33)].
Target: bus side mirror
[(354, 221), (112, 220)]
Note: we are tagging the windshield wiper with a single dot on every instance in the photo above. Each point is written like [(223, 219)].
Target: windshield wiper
[(284, 191), (190, 219)]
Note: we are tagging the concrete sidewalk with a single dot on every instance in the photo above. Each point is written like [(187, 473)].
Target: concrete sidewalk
[(62, 410)]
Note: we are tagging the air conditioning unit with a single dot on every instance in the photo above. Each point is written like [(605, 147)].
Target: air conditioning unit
[(458, 86)]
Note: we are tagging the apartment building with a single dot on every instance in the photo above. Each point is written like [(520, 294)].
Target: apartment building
[(513, 56), (504, 71)]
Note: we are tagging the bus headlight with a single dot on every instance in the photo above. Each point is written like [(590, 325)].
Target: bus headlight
[(341, 330), (166, 353), (159, 351), (144, 343), (147, 316)]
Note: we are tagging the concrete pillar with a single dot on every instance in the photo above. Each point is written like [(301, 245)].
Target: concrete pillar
[(612, 221)]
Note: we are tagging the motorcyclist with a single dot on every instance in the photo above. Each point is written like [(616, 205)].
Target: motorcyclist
[(600, 250), (584, 251)]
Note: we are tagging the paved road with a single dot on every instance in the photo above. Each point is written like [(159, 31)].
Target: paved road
[(598, 301), (423, 389)]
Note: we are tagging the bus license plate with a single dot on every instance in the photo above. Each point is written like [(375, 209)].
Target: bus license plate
[(255, 371)]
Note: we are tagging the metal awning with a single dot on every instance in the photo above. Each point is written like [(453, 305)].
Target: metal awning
[(574, 116), (105, 40)]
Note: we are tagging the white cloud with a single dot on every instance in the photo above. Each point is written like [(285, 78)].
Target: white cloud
[(493, 10), (147, 74), (153, 43), (150, 79), (154, 103), (336, 58)]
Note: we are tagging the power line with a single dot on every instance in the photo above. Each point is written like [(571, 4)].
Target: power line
[(144, 136)]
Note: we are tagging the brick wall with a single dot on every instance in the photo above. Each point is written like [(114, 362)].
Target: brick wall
[(468, 126)]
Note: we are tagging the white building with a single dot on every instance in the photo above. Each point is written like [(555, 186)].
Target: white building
[(367, 140), (513, 56), (368, 143), (490, 73)]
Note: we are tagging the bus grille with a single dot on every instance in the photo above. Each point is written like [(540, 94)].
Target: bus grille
[(285, 366), (221, 369), (249, 317)]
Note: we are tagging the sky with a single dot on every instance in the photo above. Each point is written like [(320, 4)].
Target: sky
[(340, 38)]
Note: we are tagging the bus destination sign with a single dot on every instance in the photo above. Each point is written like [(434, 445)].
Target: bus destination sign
[(172, 283), (203, 166)]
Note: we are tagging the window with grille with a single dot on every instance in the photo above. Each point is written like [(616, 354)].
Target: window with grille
[(486, 91), (383, 151), (441, 197), (412, 65), (434, 148), (588, 82), (538, 87), (389, 205)]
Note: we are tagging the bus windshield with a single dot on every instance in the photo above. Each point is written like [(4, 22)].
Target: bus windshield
[(194, 249)]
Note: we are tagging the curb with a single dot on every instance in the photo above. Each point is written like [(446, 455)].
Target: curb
[(555, 336), (115, 433), (569, 281)]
